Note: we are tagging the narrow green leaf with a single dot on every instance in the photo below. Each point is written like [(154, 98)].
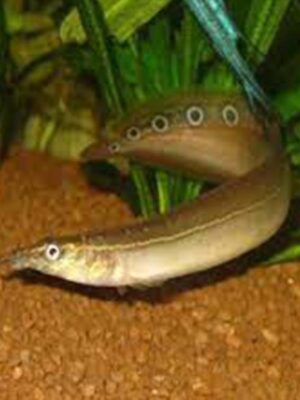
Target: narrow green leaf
[(157, 55), (143, 190), (289, 254), (163, 190), (263, 22), (193, 189), (192, 48), (219, 77), (178, 189)]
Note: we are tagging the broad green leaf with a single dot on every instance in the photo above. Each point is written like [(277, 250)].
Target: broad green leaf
[(27, 22), (123, 17)]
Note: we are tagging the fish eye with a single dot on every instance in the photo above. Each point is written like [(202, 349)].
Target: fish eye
[(160, 123), (194, 115), (114, 147), (133, 133), (230, 115), (52, 252)]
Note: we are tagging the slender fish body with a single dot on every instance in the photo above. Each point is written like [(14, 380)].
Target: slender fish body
[(209, 134)]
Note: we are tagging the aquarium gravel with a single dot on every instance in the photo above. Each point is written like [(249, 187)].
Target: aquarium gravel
[(216, 336)]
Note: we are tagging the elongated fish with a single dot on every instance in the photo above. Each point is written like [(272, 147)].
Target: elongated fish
[(202, 133)]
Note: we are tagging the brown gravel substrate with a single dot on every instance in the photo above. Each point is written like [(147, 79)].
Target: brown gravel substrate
[(218, 336)]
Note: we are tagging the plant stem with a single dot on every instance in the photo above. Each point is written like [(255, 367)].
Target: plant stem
[(94, 24)]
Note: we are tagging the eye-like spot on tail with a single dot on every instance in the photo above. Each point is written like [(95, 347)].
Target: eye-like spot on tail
[(160, 123), (194, 115), (114, 147), (133, 133), (230, 115)]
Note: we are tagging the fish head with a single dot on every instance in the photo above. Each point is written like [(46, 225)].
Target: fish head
[(78, 261)]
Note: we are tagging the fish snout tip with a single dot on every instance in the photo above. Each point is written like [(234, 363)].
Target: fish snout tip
[(14, 259)]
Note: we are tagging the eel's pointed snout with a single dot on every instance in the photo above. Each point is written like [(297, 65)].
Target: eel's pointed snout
[(14, 259)]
